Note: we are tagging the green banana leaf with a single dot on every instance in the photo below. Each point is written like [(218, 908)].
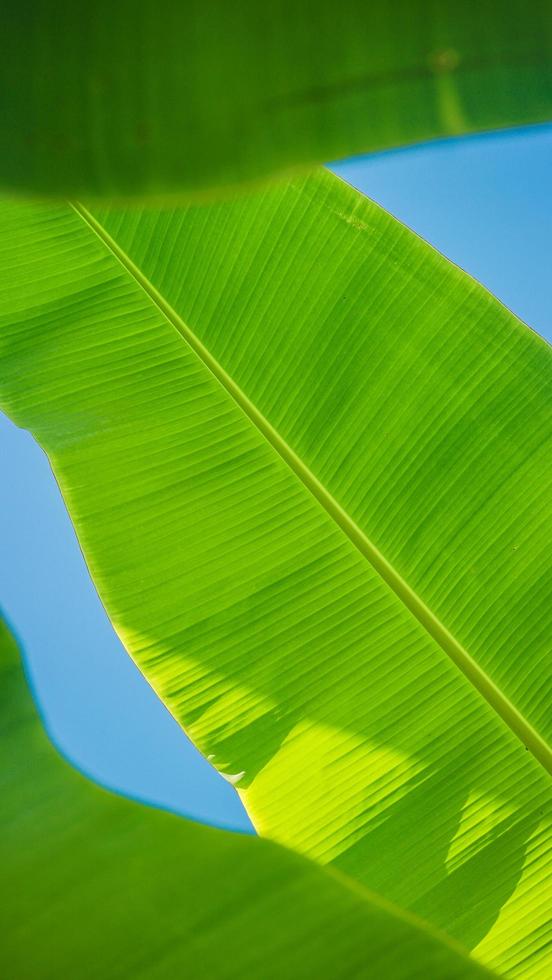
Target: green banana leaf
[(305, 459), (166, 98), (95, 886)]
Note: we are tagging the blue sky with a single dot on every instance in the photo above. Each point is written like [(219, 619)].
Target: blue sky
[(486, 203)]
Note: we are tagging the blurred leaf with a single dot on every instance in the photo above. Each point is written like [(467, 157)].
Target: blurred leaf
[(98, 886), (305, 457), (168, 98)]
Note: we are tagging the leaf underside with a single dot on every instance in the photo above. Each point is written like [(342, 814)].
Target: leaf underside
[(188, 372)]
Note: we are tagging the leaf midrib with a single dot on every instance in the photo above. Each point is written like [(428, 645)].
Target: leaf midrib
[(480, 680)]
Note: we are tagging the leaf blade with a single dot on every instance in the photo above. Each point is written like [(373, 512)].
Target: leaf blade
[(185, 99), (509, 713), (361, 743), (96, 879)]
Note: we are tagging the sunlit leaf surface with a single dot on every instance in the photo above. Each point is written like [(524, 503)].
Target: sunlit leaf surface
[(99, 886), (305, 457)]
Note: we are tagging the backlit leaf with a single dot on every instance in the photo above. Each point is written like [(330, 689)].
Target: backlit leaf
[(305, 457)]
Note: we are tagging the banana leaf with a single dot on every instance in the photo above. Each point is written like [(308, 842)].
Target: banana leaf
[(98, 886), (165, 98), (305, 457)]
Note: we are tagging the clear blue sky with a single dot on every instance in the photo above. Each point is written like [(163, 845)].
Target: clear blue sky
[(486, 203)]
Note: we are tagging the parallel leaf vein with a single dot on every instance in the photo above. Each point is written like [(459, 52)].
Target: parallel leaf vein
[(480, 680)]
